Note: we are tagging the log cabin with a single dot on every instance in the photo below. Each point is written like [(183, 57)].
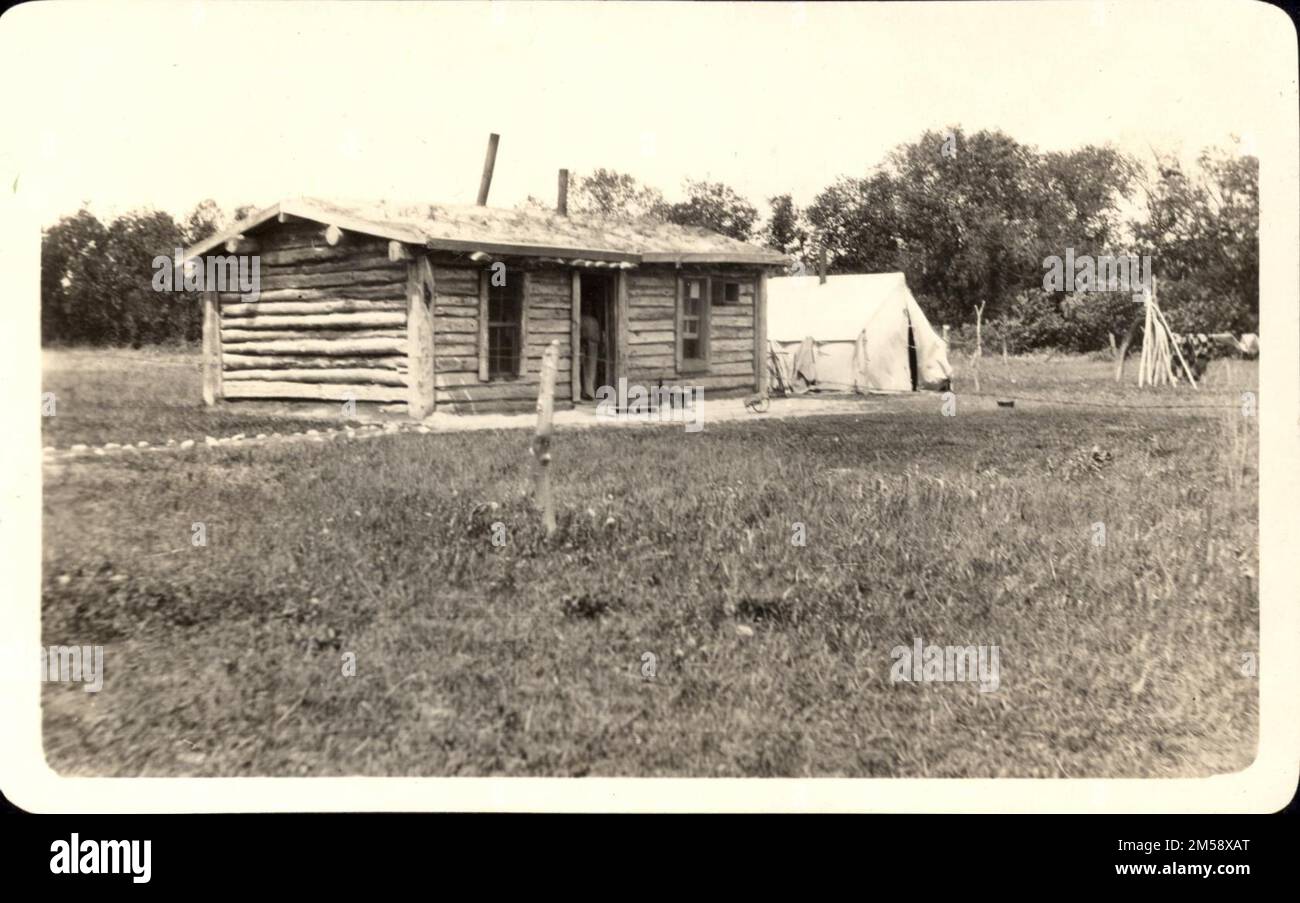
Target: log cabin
[(420, 308)]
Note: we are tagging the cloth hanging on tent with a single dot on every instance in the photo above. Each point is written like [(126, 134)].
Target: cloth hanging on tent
[(805, 361), (782, 380), (860, 363)]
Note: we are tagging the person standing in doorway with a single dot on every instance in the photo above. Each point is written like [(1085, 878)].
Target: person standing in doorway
[(591, 349)]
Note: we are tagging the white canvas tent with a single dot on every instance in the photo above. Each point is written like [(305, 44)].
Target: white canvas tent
[(851, 334)]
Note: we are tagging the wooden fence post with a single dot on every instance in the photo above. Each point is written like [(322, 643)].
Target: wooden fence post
[(760, 334), (979, 343), (541, 447)]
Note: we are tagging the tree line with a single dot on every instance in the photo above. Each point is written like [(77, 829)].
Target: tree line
[(971, 219), (97, 279)]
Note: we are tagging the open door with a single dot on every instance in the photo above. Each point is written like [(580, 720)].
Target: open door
[(597, 302)]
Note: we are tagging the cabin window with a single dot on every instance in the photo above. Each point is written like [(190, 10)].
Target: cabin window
[(726, 291), (694, 330), (505, 329)]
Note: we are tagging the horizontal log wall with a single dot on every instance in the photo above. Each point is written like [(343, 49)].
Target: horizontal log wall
[(329, 323), (456, 326), (652, 324)]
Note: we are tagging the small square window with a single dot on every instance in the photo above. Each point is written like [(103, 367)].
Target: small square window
[(725, 292)]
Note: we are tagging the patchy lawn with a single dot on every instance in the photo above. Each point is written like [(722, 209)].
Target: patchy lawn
[(674, 557), (126, 396)]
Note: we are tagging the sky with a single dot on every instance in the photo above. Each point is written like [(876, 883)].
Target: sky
[(164, 104)]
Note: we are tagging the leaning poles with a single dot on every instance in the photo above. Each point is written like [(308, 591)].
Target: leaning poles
[(1177, 350), (1148, 340), (1158, 347), (1155, 369), (541, 447)]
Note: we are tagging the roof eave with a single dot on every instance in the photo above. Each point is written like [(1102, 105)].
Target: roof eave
[(526, 250), (758, 259), (237, 229)]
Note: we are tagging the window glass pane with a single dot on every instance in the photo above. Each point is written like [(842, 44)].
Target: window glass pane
[(732, 293), (505, 311), (503, 350), (504, 302), (699, 294)]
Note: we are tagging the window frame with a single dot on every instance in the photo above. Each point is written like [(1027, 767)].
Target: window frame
[(705, 333), (487, 324), (725, 282)]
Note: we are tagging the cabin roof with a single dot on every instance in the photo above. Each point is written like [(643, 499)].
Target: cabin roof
[(522, 232)]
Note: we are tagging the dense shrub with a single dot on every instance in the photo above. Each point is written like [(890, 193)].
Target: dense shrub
[(96, 279)]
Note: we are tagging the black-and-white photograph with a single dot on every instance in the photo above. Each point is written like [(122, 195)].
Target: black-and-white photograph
[(649, 390)]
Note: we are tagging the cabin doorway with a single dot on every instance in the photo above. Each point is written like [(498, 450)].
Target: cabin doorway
[(597, 301)]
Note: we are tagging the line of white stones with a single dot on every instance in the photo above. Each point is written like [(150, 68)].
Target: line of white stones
[(367, 431), (363, 431)]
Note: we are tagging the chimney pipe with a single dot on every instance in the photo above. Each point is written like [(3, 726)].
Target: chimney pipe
[(488, 164), (821, 266), (562, 202)]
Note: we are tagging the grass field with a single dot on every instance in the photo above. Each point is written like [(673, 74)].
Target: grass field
[(770, 659), (128, 396)]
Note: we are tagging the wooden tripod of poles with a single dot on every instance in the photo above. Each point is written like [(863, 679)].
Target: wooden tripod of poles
[(1155, 368)]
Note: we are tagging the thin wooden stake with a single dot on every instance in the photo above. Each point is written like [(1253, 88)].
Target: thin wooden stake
[(1147, 337), (1123, 348), (541, 447), (979, 344), (1186, 369)]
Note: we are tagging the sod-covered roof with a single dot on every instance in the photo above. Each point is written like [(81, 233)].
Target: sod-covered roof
[(521, 232)]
